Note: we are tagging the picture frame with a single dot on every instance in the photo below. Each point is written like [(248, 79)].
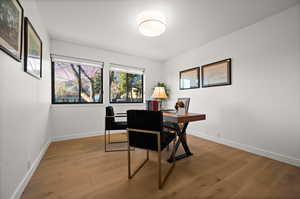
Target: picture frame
[(189, 79), (33, 51), (186, 102), (11, 28), (216, 74)]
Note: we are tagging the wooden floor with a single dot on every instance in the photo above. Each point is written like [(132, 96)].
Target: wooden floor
[(81, 169)]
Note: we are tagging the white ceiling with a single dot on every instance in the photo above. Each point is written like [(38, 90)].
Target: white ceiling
[(111, 24)]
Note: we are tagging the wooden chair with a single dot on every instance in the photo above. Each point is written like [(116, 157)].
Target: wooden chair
[(112, 124), (145, 131)]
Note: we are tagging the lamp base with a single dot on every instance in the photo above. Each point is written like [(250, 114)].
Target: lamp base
[(154, 105)]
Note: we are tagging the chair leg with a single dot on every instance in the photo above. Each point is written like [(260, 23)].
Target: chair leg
[(129, 161), (113, 142), (105, 149), (116, 142), (147, 154), (161, 181), (129, 165), (109, 137), (107, 141), (131, 175), (159, 170)]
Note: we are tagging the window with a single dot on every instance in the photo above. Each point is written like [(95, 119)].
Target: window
[(76, 82), (126, 84)]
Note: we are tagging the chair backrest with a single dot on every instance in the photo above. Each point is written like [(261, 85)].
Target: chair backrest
[(110, 111), (109, 119), (144, 120), (186, 101)]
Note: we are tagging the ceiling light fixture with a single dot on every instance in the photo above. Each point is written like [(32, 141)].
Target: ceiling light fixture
[(151, 23)]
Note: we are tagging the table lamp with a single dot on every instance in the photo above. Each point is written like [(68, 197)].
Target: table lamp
[(159, 93)]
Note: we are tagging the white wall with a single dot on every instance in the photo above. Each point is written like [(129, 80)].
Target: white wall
[(24, 114), (260, 111), (71, 121)]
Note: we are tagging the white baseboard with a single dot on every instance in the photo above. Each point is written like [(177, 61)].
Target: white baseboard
[(20, 188), (82, 135), (251, 149), (77, 135)]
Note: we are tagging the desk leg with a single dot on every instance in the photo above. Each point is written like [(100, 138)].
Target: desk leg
[(182, 139)]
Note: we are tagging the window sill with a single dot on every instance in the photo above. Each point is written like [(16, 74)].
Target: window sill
[(127, 104), (58, 106), (75, 105)]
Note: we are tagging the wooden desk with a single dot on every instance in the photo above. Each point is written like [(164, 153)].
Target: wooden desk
[(172, 121), (189, 117)]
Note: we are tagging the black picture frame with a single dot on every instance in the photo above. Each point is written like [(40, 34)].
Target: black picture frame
[(28, 26), (196, 70), (5, 44), (228, 81)]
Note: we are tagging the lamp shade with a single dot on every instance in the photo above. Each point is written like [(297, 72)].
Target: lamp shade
[(159, 93)]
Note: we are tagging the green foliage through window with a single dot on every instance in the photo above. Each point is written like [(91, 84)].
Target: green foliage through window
[(125, 87)]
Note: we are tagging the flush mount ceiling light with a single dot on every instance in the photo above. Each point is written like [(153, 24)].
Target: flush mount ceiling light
[(151, 23)]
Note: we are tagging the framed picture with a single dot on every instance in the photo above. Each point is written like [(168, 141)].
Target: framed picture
[(186, 102), (216, 74), (32, 51), (189, 79), (11, 28)]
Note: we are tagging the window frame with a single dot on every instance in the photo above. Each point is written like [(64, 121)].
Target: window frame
[(79, 87), (127, 102)]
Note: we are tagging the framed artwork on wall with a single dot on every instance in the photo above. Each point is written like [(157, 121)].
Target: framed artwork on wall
[(11, 28), (189, 79), (33, 50), (216, 74)]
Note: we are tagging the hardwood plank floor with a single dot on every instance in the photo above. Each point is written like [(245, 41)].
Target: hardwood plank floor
[(80, 169)]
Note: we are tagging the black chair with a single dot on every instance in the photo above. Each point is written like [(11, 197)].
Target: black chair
[(145, 131), (112, 124)]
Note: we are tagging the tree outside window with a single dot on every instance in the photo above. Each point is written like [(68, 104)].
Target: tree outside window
[(126, 87), (76, 83)]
